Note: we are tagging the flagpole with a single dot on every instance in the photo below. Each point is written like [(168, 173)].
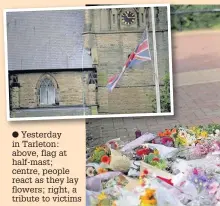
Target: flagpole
[(157, 83), (83, 77)]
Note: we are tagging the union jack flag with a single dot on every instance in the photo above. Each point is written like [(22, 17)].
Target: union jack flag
[(141, 54), (114, 80)]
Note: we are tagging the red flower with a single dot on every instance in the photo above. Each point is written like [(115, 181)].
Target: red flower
[(105, 159), (156, 159), (145, 171), (142, 152)]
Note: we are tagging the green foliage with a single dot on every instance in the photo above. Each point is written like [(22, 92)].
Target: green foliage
[(194, 21), (97, 155), (164, 95), (159, 163)]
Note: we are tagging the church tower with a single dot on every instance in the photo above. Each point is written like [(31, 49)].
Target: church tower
[(112, 34)]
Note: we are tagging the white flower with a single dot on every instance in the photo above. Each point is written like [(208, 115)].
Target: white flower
[(90, 171), (183, 133), (190, 139), (217, 131)]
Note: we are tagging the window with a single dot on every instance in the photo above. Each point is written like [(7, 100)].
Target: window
[(92, 79), (47, 92), (113, 18)]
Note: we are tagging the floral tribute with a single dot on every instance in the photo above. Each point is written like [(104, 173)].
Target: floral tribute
[(150, 156), (200, 145), (148, 198), (104, 199), (142, 151), (113, 145), (205, 147), (101, 154), (155, 160), (181, 136), (92, 171), (143, 177), (203, 181), (166, 137)]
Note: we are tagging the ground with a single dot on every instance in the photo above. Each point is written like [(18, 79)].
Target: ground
[(195, 50), (196, 69)]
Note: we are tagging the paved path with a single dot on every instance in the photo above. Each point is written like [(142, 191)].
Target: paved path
[(197, 104), (195, 50)]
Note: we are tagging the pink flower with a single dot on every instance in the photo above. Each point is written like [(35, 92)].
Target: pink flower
[(201, 150), (217, 196), (195, 171), (165, 140), (215, 147), (213, 187)]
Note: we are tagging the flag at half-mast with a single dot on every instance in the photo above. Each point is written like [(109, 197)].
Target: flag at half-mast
[(140, 55)]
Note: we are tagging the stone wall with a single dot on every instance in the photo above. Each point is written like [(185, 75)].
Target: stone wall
[(70, 89), (110, 45)]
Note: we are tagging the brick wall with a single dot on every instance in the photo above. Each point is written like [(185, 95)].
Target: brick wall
[(99, 131), (70, 90)]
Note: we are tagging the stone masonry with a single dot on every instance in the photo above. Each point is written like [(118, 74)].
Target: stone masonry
[(111, 42), (69, 89)]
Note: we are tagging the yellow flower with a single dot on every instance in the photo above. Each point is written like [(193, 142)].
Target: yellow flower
[(101, 170), (148, 198), (114, 204), (156, 152), (204, 134), (141, 181), (149, 193), (151, 202), (182, 140), (98, 149), (102, 196)]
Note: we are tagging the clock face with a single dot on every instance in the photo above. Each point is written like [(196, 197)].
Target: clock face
[(128, 17)]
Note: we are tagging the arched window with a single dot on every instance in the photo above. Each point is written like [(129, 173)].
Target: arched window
[(47, 92)]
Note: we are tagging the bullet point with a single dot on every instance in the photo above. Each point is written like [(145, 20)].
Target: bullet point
[(15, 134)]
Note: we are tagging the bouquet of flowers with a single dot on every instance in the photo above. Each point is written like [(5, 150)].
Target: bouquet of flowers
[(203, 180), (154, 159), (141, 151), (101, 154), (213, 130), (166, 137), (148, 198), (119, 180), (181, 136), (200, 150), (105, 198)]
